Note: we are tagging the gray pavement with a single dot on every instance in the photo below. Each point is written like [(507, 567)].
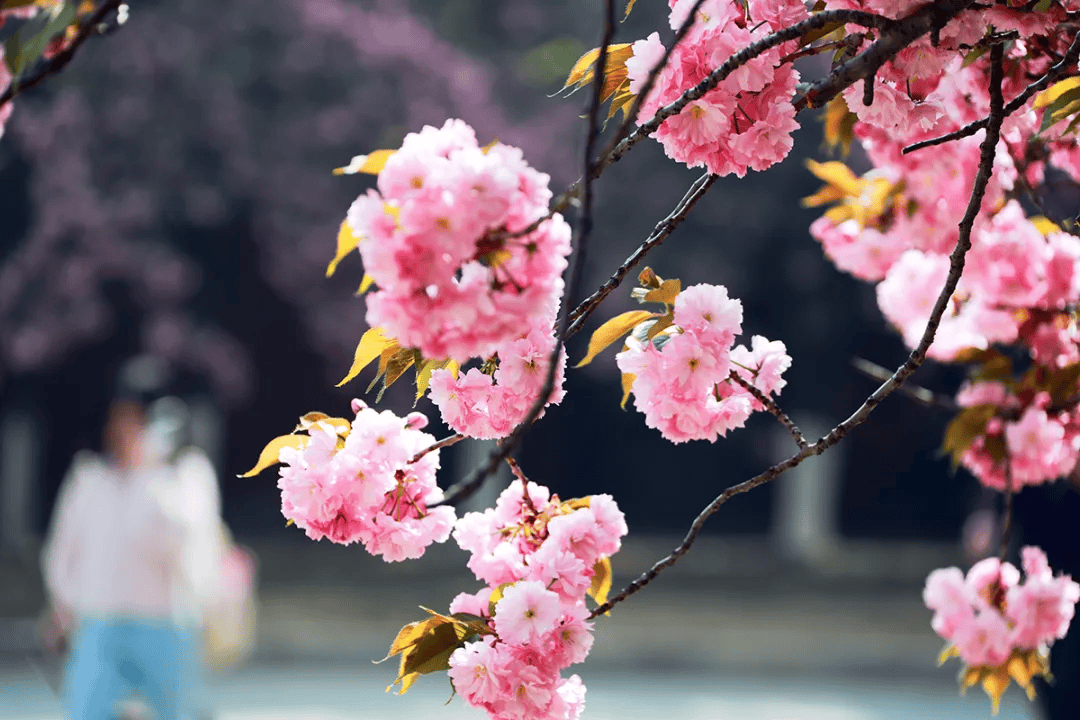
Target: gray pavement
[(730, 634)]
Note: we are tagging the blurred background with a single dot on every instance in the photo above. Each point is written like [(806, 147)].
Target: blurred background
[(170, 193)]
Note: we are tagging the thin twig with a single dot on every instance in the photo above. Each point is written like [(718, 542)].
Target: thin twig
[(445, 442), (57, 62), (1055, 72), (664, 228), (1007, 513), (773, 408), (520, 475), (915, 359), (476, 478), (922, 395)]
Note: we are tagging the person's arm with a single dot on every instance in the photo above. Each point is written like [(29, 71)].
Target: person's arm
[(60, 554)]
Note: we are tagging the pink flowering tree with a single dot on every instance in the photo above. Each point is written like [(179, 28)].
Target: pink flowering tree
[(472, 279)]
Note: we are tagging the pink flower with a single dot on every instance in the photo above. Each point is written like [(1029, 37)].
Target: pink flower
[(984, 640), (947, 595), (526, 612)]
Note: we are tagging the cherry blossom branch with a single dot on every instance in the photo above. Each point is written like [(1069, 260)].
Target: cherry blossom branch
[(445, 442), (895, 35), (773, 408), (57, 62), (1055, 72), (736, 61), (650, 79), (664, 228), (915, 359), (476, 478), (922, 395), (928, 19)]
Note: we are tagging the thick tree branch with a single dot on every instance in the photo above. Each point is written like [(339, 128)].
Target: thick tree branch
[(915, 359), (57, 62), (476, 478), (1056, 71)]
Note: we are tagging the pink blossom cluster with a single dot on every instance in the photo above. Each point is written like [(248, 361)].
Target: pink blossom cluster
[(365, 488), (1041, 443), (437, 238), (538, 555), (1014, 265), (489, 405), (989, 613), (681, 376), (747, 120)]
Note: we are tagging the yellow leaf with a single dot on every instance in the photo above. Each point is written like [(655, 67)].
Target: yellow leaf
[(365, 284), (839, 126), (339, 426), (423, 373), (601, 581), (371, 345), (371, 164), (627, 386), (487, 148), (949, 651), (1051, 94), (666, 293), (346, 243), (496, 596), (611, 331), (573, 504), (1045, 225), (584, 69), (629, 7), (836, 173), (995, 682), (270, 453)]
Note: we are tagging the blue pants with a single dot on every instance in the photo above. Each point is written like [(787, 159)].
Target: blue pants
[(112, 659)]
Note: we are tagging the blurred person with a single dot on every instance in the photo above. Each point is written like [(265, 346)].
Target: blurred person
[(133, 555)]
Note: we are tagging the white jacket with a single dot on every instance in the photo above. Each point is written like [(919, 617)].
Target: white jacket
[(144, 544)]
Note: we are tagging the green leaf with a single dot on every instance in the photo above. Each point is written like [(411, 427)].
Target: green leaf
[(975, 55), (1062, 106), (613, 330), (1043, 6), (426, 646), (33, 37), (1062, 384), (371, 346), (968, 424), (270, 453), (395, 367)]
